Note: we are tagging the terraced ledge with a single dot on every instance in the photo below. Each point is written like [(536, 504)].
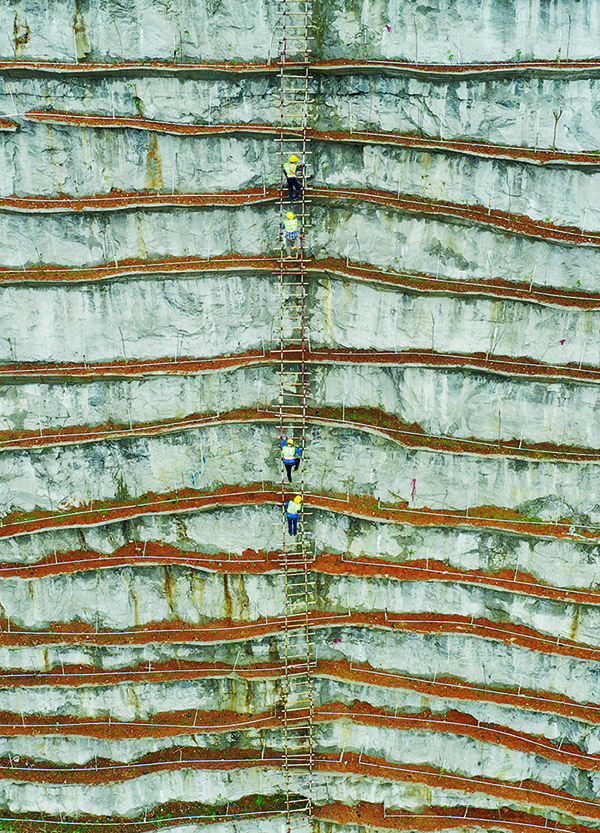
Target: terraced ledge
[(501, 365), (518, 224), (360, 419), (226, 630), (552, 67), (362, 814), (365, 506), (416, 281), (166, 815), (432, 818), (535, 156), (8, 126), (360, 714), (456, 688), (513, 223), (436, 818), (330, 564), (452, 688), (125, 200), (536, 793)]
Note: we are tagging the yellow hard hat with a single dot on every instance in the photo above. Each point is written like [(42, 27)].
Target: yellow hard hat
[(293, 158), (290, 215), (290, 441), (297, 499)]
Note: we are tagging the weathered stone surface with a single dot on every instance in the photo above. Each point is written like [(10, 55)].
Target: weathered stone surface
[(464, 31), (205, 314), (155, 317), (121, 598), (125, 159), (218, 455), (442, 400), (516, 110)]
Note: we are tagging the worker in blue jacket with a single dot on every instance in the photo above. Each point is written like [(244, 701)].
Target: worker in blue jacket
[(292, 510), (290, 456)]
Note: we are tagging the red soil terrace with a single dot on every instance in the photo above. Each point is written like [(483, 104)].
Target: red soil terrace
[(431, 818), (172, 724), (410, 435), (451, 688), (123, 368), (252, 562), (533, 792), (493, 517), (122, 200), (417, 281), (473, 148), (224, 630), (435, 818), (512, 67), (360, 713)]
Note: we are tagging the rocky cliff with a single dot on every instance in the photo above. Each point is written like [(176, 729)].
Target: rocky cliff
[(452, 322)]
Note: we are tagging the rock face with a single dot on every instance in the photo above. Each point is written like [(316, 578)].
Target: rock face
[(453, 443)]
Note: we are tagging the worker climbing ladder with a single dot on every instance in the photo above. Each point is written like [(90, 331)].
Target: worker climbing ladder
[(298, 702)]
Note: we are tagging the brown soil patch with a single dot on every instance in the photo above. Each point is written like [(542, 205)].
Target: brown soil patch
[(435, 818)]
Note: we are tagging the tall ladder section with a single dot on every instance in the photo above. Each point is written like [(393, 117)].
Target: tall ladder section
[(298, 702)]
